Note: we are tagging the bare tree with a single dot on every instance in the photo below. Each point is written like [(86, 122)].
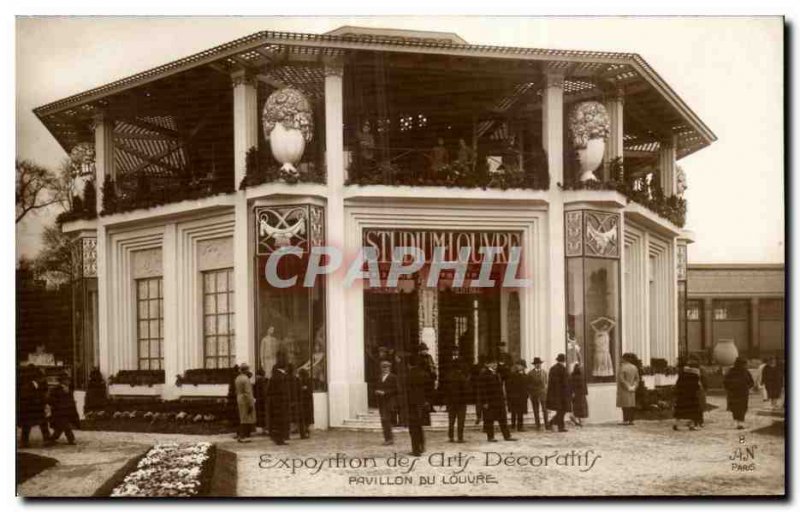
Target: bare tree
[(54, 261), (34, 188)]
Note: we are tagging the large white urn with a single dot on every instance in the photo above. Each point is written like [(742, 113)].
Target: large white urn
[(288, 124), (725, 352), (288, 145), (590, 126), (590, 158)]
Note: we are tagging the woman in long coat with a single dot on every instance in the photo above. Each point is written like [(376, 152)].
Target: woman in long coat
[(772, 377), (246, 403), (260, 394), (627, 384), (738, 382), (687, 396), (580, 407)]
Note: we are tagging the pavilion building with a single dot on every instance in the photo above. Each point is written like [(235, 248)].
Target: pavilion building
[(395, 137)]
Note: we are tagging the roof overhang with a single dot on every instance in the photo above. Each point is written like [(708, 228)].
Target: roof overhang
[(317, 48)]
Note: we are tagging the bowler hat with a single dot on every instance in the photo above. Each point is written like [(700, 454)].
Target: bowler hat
[(537, 360), (423, 346), (561, 358)]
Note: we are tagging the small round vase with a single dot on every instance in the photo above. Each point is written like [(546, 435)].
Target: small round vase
[(725, 352), (590, 158), (287, 146)]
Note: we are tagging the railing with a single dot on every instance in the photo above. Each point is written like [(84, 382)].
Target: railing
[(137, 191), (642, 188), (426, 167), (261, 168)]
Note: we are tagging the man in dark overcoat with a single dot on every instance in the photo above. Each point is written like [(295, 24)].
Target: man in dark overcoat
[(493, 401), (386, 393), (456, 392), (279, 398), (559, 394), (418, 406), (31, 402), (64, 413)]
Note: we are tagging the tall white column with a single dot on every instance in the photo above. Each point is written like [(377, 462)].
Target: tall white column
[(345, 356), (614, 144), (102, 301), (666, 164), (553, 142), (172, 303), (245, 136), (104, 154), (245, 120)]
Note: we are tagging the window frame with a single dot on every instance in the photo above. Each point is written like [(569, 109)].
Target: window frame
[(229, 337), (159, 299)]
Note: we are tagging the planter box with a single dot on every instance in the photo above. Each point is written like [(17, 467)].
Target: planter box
[(128, 390), (202, 390)]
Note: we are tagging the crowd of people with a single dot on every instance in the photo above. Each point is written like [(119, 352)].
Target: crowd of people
[(50, 408), (406, 392), (500, 387), (273, 403)]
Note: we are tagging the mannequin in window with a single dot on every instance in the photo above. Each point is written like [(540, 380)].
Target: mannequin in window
[(366, 143), (439, 156), (602, 365), (268, 349), (573, 352)]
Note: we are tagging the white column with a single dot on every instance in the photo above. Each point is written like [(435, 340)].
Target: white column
[(245, 136), (552, 142), (172, 303), (646, 330), (102, 301), (614, 144), (245, 120), (666, 164), (345, 356), (104, 154)]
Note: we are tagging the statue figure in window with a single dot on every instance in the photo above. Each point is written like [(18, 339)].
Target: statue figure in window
[(602, 366)]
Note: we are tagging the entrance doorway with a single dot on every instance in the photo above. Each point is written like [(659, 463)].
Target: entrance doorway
[(470, 323), (390, 324)]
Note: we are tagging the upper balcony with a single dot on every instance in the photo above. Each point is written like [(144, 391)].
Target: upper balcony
[(415, 109)]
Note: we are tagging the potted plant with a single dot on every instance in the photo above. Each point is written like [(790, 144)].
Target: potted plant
[(590, 128), (288, 125)]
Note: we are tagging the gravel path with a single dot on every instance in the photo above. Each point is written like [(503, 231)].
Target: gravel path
[(645, 459), (648, 458)]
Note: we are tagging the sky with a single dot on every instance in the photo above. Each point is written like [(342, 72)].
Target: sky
[(728, 70)]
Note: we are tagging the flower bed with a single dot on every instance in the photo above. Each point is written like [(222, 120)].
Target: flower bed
[(170, 470)]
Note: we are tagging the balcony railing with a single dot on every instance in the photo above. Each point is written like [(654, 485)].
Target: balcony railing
[(417, 167), (138, 191), (261, 168), (642, 188)]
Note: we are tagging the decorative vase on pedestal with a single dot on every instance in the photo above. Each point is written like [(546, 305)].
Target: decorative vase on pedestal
[(590, 126), (590, 158), (288, 124), (725, 352), (287, 146)]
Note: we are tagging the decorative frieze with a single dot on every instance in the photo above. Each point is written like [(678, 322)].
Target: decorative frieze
[(574, 233), (681, 263), (602, 234), (301, 226), (89, 259)]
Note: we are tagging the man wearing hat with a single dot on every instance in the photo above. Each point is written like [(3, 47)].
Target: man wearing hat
[(537, 392), (492, 401), (559, 395), (428, 365), (246, 402)]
